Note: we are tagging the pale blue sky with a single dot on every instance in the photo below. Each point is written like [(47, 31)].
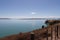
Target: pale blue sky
[(29, 8)]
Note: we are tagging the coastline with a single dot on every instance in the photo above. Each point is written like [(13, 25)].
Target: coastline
[(39, 34)]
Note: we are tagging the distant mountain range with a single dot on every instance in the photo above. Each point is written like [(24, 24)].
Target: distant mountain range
[(28, 18), (38, 18), (32, 18), (5, 18)]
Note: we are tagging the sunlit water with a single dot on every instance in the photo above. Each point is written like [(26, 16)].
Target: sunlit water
[(10, 27)]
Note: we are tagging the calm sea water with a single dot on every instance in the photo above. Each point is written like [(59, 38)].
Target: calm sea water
[(10, 27)]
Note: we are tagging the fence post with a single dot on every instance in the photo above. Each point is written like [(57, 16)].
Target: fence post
[(51, 33), (32, 36), (47, 34), (57, 31)]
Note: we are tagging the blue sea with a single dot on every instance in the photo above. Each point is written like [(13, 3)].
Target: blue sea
[(10, 27)]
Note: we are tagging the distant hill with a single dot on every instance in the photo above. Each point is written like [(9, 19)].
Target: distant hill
[(29, 18), (5, 18), (38, 18), (32, 18)]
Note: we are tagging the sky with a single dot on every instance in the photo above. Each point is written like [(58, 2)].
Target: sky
[(29, 8)]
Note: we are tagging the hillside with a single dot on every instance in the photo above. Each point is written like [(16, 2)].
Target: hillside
[(51, 32)]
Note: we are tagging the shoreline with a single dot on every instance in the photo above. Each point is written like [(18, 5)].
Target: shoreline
[(39, 33)]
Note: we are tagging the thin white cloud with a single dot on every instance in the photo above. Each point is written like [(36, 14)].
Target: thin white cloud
[(33, 13)]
